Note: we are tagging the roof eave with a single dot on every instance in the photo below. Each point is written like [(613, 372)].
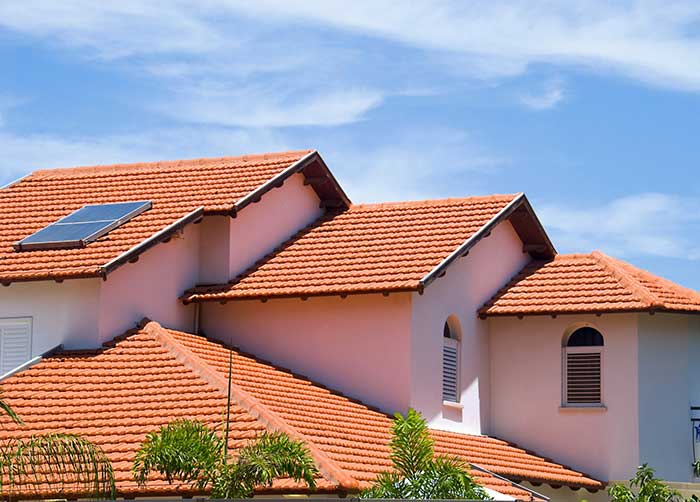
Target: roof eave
[(519, 202)]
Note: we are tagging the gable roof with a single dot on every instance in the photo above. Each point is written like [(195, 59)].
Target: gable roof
[(181, 191), (389, 247), (588, 283), (151, 376)]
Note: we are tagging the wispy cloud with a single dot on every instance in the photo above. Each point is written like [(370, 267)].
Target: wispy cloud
[(653, 224), (650, 40), (414, 163), (254, 107), (22, 154), (552, 93)]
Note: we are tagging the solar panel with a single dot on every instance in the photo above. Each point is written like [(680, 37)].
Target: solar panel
[(83, 226)]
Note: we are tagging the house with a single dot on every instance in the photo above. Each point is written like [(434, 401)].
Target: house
[(126, 288)]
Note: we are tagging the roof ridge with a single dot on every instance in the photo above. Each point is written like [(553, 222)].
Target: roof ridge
[(651, 276), (454, 200), (251, 404), (625, 279), (131, 167)]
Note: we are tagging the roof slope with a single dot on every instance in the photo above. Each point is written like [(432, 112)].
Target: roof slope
[(589, 283), (176, 188), (151, 376), (367, 248)]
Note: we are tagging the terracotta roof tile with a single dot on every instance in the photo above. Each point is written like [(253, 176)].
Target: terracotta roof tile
[(152, 376), (176, 188), (581, 283), (366, 248)]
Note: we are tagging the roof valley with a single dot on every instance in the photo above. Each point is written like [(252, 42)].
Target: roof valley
[(249, 403)]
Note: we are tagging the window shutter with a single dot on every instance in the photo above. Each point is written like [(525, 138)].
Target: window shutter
[(450, 368), (15, 343), (583, 380)]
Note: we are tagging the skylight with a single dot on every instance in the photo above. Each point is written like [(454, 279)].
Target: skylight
[(83, 226)]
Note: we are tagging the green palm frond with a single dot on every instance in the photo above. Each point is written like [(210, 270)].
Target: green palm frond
[(271, 456), (7, 410), (419, 474), (188, 451), (185, 450), (57, 464)]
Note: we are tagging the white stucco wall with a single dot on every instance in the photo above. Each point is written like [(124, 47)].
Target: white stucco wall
[(526, 393), (62, 313), (260, 227), (359, 345), (668, 360), (468, 284), (151, 287)]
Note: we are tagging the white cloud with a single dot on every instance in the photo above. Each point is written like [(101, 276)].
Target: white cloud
[(649, 40), (653, 224), (23, 154), (413, 163), (253, 107), (550, 96)]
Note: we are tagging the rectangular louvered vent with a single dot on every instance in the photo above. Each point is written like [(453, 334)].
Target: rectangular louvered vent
[(15, 343), (583, 380), (450, 366)]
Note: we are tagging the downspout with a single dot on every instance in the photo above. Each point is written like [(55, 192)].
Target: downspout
[(197, 318)]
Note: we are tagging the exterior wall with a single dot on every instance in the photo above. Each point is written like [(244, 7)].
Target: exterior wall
[(526, 393), (260, 227), (62, 313), (214, 253), (468, 284), (667, 388), (151, 287), (359, 345)]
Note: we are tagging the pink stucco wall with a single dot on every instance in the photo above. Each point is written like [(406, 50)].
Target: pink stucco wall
[(468, 284), (358, 345), (526, 393), (151, 287)]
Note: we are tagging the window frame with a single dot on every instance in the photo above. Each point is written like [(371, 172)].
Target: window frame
[(589, 349)]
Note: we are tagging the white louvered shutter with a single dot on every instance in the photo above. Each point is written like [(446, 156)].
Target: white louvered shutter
[(15, 343), (450, 370), (583, 375)]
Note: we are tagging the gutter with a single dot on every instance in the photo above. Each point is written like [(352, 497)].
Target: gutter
[(31, 362), (151, 241), (484, 231), (532, 493)]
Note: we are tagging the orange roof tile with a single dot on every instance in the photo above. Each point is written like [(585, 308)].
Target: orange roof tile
[(151, 376), (368, 248), (581, 283), (176, 188)]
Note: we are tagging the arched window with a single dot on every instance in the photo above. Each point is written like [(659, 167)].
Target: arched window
[(450, 363), (583, 363)]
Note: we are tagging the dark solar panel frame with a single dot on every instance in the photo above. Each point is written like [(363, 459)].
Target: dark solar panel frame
[(61, 234)]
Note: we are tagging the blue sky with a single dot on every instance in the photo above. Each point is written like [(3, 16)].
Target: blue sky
[(591, 109)]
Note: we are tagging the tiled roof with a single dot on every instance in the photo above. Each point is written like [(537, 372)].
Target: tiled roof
[(595, 283), (151, 376), (366, 248), (176, 188)]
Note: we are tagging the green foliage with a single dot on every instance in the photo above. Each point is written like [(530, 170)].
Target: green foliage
[(185, 450), (59, 463), (419, 474), (644, 487), (188, 451)]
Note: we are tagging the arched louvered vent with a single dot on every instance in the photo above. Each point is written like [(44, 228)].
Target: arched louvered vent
[(583, 363), (450, 366)]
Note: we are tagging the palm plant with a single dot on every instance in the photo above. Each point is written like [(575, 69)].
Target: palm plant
[(645, 487), (53, 464), (417, 473), (190, 452)]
